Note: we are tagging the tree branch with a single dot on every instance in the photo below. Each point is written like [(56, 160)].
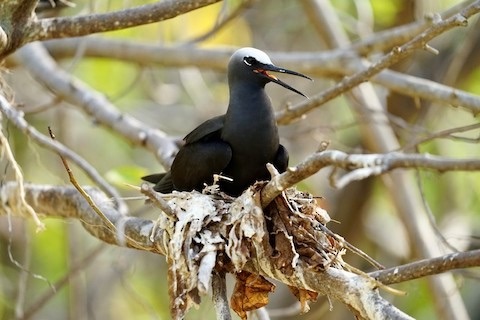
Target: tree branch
[(17, 119), (428, 267), (15, 14), (379, 137), (361, 166), (356, 291), (84, 25), (219, 295), (39, 63), (340, 62), (67, 202), (394, 56)]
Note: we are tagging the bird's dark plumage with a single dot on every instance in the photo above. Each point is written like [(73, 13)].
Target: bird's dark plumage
[(238, 144)]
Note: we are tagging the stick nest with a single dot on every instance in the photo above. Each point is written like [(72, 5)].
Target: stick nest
[(214, 232)]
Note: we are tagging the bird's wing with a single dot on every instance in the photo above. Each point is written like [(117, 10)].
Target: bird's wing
[(154, 178), (205, 130), (196, 163), (281, 159), (165, 185)]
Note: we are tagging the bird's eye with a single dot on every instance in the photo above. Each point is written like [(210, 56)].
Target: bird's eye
[(249, 61)]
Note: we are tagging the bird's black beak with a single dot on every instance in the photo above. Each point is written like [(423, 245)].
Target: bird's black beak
[(262, 70)]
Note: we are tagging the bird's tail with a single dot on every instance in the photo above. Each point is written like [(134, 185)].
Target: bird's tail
[(163, 181)]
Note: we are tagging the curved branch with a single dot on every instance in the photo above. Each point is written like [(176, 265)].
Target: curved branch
[(67, 202), (39, 63), (428, 267), (341, 62), (17, 119), (397, 54), (356, 291), (83, 25), (361, 166)]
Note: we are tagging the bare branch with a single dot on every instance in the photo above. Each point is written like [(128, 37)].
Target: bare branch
[(394, 56), (39, 63), (17, 119), (340, 62), (67, 202), (379, 137), (83, 25), (363, 299), (77, 186), (15, 14), (428, 267), (361, 166)]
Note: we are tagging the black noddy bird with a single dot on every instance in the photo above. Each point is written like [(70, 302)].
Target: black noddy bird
[(238, 144)]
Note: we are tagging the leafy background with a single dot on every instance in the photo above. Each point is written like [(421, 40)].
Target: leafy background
[(121, 283)]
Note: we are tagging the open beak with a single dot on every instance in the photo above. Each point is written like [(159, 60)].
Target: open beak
[(270, 67)]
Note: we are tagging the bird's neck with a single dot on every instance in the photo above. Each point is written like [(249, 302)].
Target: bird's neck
[(249, 103), (250, 113)]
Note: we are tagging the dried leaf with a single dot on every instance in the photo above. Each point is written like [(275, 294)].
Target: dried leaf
[(304, 296), (250, 293), (247, 225)]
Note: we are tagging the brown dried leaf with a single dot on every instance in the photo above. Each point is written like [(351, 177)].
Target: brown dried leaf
[(304, 296), (283, 254), (250, 293)]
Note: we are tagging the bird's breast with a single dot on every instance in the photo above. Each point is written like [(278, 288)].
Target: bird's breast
[(250, 129)]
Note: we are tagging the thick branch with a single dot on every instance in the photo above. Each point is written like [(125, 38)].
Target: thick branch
[(357, 292), (14, 15), (40, 64), (84, 25), (341, 62), (67, 202), (361, 167)]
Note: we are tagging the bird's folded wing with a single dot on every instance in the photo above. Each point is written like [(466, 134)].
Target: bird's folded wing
[(210, 128), (154, 178)]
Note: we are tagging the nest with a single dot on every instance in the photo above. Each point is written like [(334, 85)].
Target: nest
[(213, 232)]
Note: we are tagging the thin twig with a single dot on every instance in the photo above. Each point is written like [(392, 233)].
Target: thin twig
[(443, 134), (352, 248), (223, 22), (72, 272), (157, 200), (22, 205), (17, 119), (85, 195)]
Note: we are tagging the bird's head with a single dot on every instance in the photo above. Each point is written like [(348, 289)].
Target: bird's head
[(253, 65)]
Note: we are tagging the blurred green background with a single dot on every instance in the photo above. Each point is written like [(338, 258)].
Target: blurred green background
[(119, 283)]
